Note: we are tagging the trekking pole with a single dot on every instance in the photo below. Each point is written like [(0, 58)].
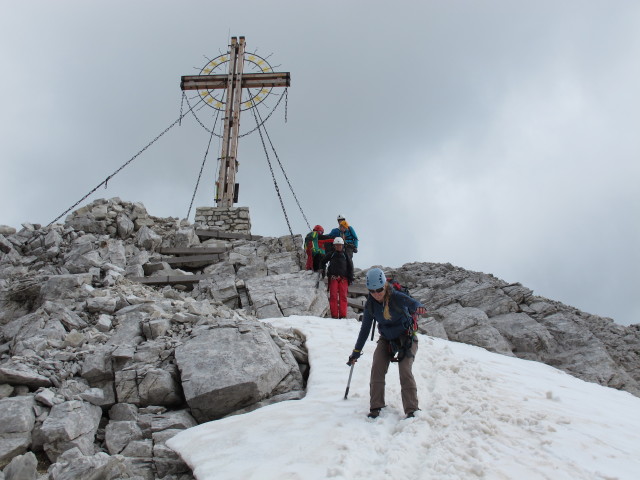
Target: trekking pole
[(346, 392)]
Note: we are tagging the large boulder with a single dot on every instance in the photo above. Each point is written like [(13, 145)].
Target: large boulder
[(471, 325), (70, 424), (225, 369), (118, 434), (148, 239), (74, 464), (141, 385), (489, 299), (16, 373), (64, 286), (23, 467), (16, 423), (220, 286), (299, 293), (528, 338)]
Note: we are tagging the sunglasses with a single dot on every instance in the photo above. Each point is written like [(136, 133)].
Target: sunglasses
[(378, 290)]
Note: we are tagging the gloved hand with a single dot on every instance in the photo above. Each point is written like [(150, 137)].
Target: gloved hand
[(353, 358), (421, 311)]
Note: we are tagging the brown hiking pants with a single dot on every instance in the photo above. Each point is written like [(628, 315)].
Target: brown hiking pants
[(379, 368)]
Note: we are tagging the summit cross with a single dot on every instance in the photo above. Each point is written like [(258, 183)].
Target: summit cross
[(234, 81)]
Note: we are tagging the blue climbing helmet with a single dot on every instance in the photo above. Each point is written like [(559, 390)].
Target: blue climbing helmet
[(375, 279)]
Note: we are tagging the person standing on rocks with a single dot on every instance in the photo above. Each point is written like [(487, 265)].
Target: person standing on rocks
[(348, 234), (395, 313), (340, 273), (314, 247)]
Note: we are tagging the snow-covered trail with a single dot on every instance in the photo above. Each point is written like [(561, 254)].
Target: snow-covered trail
[(482, 415)]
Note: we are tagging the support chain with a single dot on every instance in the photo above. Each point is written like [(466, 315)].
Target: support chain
[(283, 172), (275, 183), (203, 162), (106, 180)]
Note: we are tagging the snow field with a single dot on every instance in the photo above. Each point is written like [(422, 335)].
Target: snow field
[(482, 415)]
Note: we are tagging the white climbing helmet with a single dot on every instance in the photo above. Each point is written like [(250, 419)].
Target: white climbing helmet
[(340, 218), (338, 241)]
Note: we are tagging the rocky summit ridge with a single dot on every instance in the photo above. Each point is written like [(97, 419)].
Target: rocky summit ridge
[(118, 329)]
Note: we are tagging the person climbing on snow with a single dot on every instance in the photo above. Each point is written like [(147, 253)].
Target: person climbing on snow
[(340, 274), (348, 234), (394, 311), (314, 244)]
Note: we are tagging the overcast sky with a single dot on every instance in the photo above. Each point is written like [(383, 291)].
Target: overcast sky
[(499, 136)]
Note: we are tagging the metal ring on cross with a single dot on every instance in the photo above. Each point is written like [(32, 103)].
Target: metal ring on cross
[(250, 96)]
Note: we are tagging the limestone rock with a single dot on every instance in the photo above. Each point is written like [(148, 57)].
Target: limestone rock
[(185, 238), (23, 467), (221, 287), (244, 367), (287, 294), (17, 420), (118, 434), (5, 245), (101, 304), (73, 464), (124, 226), (15, 373), (68, 318), (70, 424), (123, 412), (166, 461), (148, 239), (63, 286), (7, 230), (97, 366), (527, 336)]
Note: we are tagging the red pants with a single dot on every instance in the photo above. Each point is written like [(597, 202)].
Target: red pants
[(338, 288)]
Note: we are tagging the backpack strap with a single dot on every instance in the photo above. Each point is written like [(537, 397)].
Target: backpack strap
[(370, 312)]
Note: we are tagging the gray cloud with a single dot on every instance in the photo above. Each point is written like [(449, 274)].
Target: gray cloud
[(499, 136)]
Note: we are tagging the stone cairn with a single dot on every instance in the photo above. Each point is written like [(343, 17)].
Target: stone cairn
[(231, 219), (110, 344)]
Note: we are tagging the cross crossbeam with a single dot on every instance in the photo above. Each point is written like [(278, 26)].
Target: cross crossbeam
[(234, 81), (249, 80)]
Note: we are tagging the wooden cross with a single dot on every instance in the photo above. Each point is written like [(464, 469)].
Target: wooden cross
[(234, 82)]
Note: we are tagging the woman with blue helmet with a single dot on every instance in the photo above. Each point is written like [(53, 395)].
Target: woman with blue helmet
[(393, 311)]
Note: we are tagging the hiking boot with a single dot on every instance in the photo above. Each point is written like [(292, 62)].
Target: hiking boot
[(411, 414), (374, 413)]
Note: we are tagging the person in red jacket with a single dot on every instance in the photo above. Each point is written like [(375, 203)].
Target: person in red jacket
[(340, 273), (314, 244)]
